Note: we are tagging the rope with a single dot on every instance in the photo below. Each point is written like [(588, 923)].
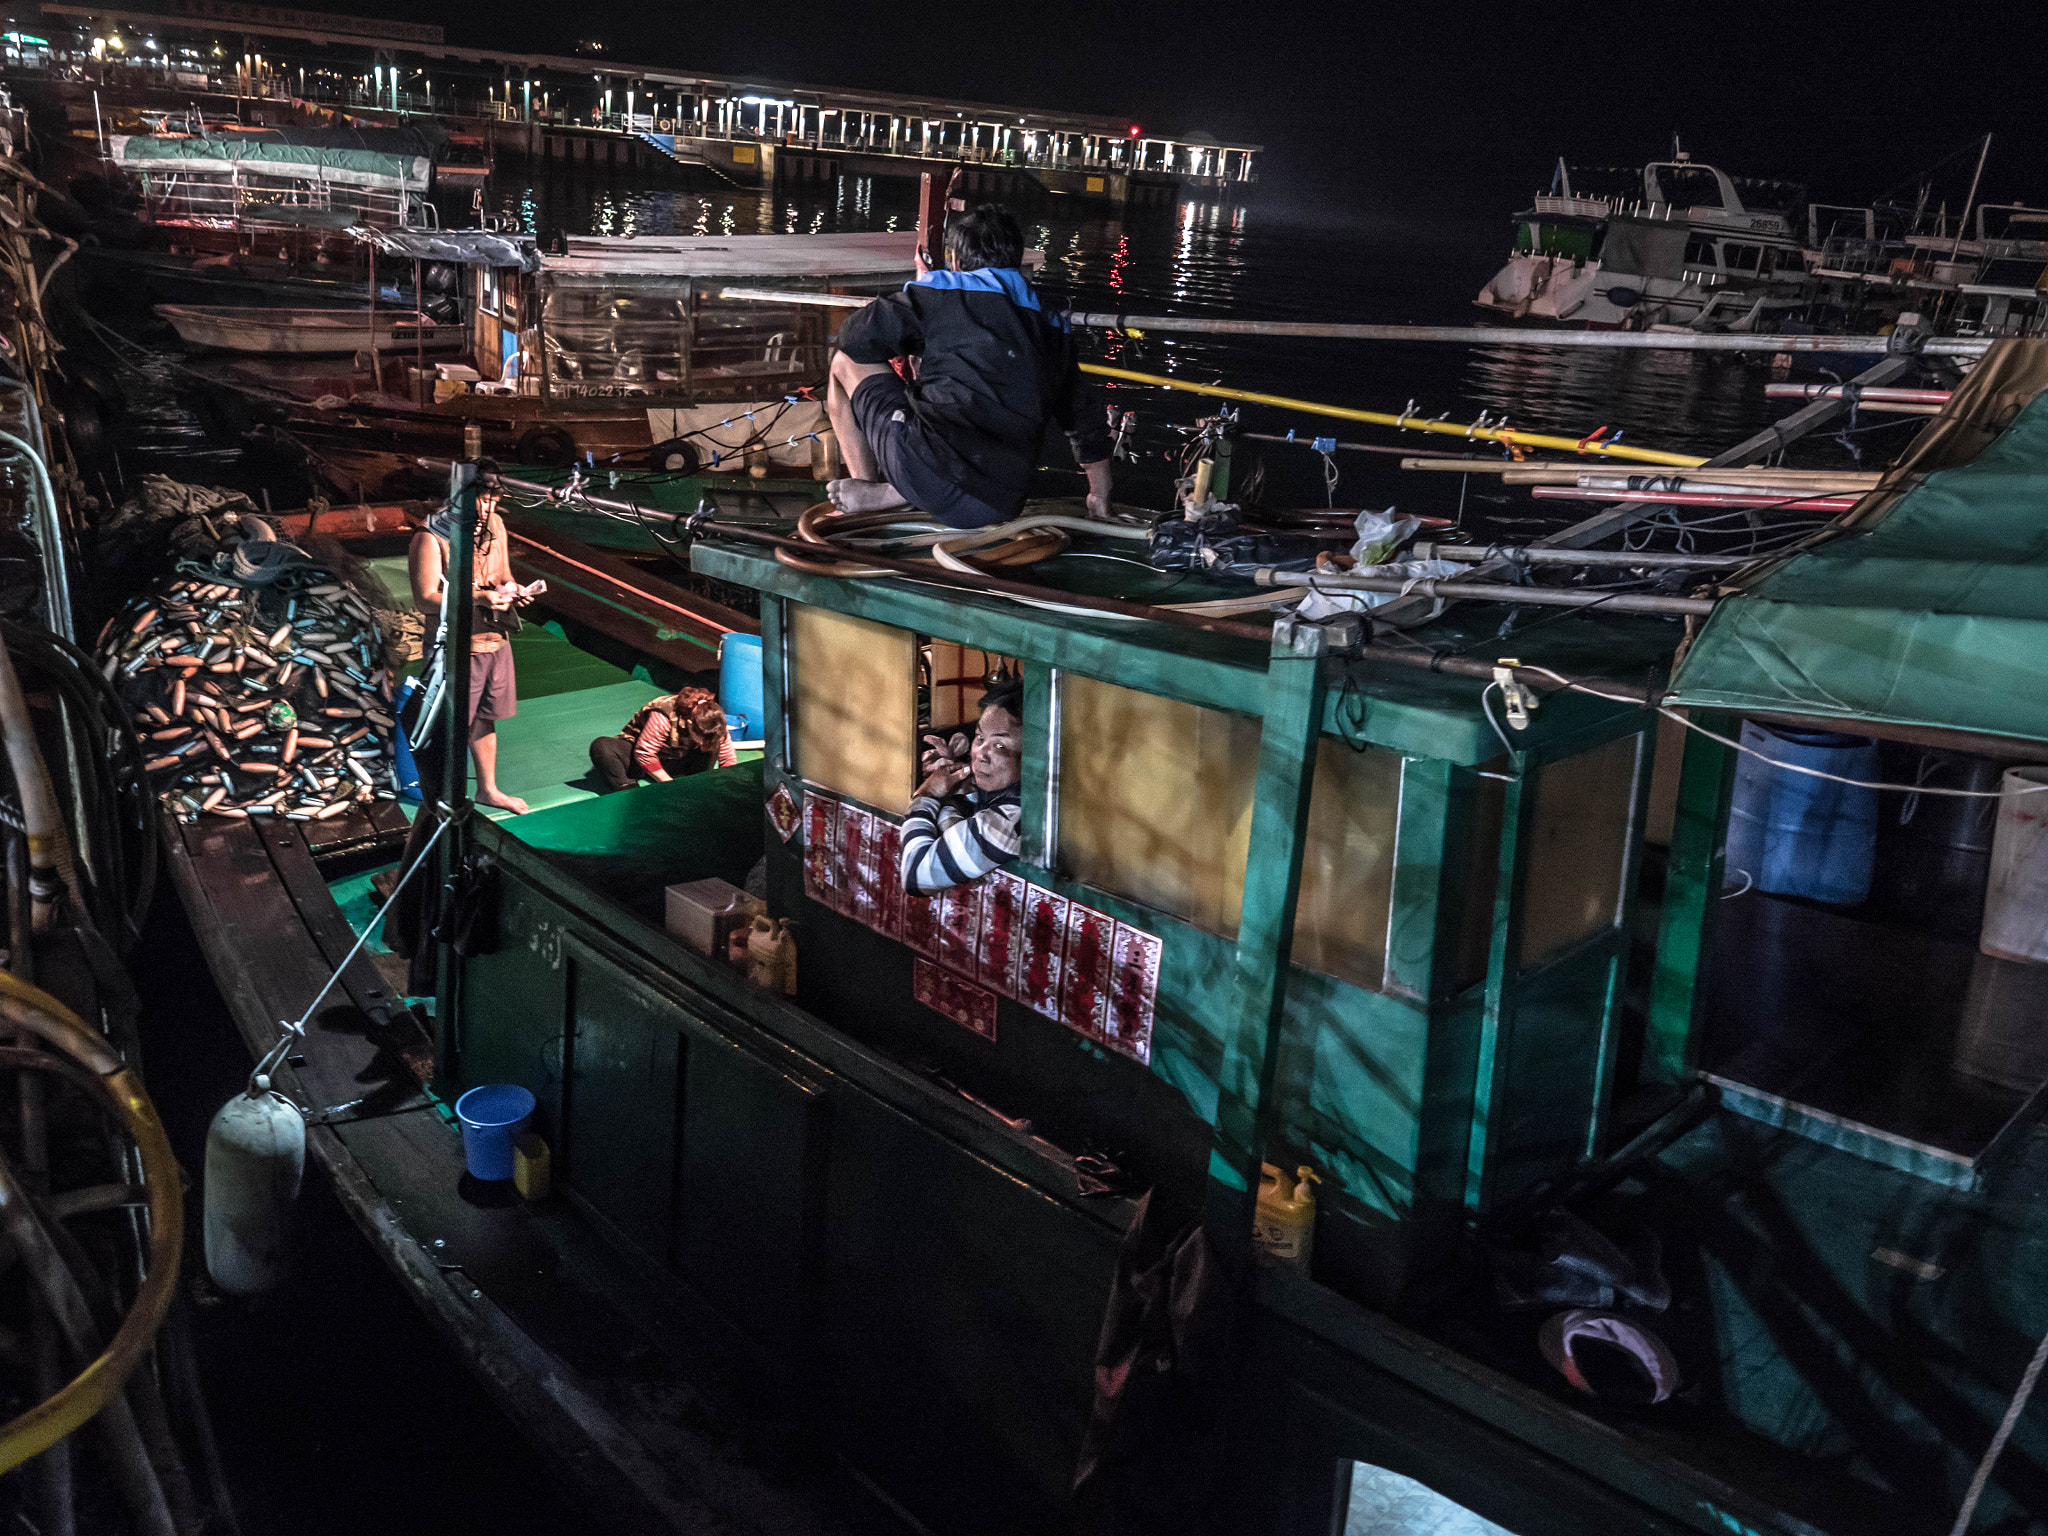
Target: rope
[(295, 1032), (1813, 773), (2020, 1395)]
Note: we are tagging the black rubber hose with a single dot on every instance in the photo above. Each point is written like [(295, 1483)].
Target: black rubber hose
[(99, 705)]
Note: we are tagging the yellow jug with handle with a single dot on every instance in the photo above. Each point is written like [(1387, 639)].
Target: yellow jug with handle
[(1284, 1229)]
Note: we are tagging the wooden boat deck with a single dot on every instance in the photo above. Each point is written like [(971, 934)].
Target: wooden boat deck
[(622, 1385), (605, 1378)]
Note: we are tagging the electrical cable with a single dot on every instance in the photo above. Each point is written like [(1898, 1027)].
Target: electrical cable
[(1815, 773)]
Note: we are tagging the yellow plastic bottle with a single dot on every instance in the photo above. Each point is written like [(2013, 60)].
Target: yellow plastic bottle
[(1285, 1226)]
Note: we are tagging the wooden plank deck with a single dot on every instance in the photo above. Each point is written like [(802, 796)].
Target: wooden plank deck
[(606, 1396)]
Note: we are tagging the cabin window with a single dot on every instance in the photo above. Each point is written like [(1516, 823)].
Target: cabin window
[(1347, 868), (1381, 1502), (1700, 253), (1578, 835), (1742, 258), (615, 341), (951, 680), (749, 351), (1481, 882), (1688, 186), (853, 706), (1156, 800), (1156, 806), (487, 290)]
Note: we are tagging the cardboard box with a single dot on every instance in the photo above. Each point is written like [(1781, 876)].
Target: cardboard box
[(702, 913)]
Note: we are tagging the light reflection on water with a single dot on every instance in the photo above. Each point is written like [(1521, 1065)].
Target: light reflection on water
[(1254, 262)]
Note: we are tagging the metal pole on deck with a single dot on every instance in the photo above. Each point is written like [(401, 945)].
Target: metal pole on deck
[(459, 607), (1963, 223)]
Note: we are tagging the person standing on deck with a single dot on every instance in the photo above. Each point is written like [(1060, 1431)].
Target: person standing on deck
[(950, 838), (493, 690), (668, 738), (960, 437)]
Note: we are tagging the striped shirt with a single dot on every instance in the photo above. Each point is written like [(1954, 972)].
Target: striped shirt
[(653, 742), (944, 846)]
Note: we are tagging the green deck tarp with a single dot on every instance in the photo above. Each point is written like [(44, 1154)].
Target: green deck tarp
[(633, 844), (1931, 612), (261, 157)]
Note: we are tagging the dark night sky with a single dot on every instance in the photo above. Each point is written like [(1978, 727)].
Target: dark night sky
[(1421, 101)]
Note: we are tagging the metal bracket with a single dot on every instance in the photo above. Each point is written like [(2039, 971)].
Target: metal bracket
[(1520, 699), (1342, 634)]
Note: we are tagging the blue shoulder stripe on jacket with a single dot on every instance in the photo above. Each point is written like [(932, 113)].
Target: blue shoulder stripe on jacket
[(1010, 282)]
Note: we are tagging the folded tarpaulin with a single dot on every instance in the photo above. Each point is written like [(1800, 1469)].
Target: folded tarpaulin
[(264, 155), (1929, 608), (466, 247)]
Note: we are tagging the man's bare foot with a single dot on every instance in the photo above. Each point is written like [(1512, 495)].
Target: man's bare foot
[(864, 496), (498, 800)]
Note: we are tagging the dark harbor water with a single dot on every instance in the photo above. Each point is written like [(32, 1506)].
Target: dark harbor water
[(1252, 259), (1269, 260)]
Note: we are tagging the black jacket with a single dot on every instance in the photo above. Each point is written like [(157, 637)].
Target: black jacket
[(992, 373)]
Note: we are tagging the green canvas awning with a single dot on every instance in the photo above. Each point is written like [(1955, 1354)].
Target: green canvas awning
[(336, 165), (1931, 611)]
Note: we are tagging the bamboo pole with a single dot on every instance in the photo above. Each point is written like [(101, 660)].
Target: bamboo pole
[(1457, 335), (1761, 499), (1834, 391), (1535, 554), (1489, 591), (1612, 520), (1568, 472), (1403, 422)]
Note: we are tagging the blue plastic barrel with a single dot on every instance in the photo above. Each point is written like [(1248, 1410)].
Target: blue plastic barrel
[(493, 1116), (739, 682), (404, 769), (1796, 835)]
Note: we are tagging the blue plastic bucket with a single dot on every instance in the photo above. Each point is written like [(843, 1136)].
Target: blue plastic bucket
[(1796, 835), (493, 1115), (739, 679), (404, 769)]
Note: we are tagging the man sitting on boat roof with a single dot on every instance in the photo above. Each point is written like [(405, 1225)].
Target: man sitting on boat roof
[(950, 838), (961, 437)]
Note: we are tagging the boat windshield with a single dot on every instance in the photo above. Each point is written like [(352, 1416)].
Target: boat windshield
[(665, 338)]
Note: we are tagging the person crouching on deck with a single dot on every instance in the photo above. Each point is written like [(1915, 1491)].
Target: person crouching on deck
[(961, 438), (951, 837), (668, 738)]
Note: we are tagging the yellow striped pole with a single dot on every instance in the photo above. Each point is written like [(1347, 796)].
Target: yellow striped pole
[(1509, 436)]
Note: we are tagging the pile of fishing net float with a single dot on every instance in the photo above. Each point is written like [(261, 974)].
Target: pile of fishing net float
[(269, 698)]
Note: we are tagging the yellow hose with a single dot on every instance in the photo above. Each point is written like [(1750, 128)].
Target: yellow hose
[(30, 1434), (1406, 423)]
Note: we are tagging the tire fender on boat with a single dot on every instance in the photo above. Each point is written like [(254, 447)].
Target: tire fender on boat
[(255, 1159), (545, 445)]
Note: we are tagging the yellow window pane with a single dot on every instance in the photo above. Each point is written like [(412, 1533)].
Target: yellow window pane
[(1156, 800), (1578, 840), (853, 706), (1481, 878), (1347, 869)]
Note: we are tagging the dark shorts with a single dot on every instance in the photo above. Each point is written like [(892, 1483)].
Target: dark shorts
[(910, 459), (493, 693)]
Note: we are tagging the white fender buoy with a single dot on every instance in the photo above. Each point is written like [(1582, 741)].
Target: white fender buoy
[(255, 1157)]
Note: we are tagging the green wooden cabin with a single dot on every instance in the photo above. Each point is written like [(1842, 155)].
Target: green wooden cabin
[(1334, 912)]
